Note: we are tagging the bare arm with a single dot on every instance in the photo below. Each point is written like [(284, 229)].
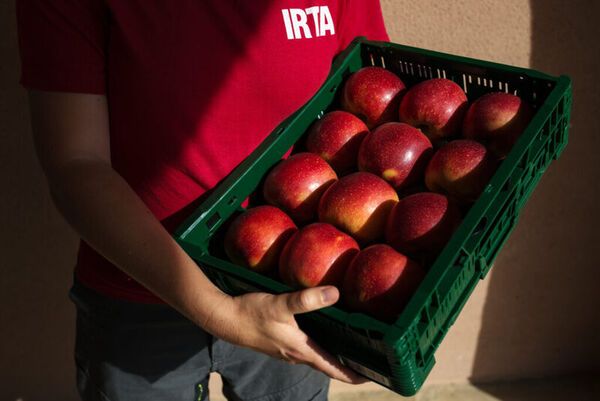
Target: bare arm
[(72, 141)]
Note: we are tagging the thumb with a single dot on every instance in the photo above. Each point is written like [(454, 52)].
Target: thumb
[(309, 299)]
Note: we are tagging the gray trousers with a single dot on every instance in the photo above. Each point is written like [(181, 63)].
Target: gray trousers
[(130, 351)]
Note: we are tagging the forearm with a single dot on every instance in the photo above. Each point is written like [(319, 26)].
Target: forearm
[(71, 133), (108, 215)]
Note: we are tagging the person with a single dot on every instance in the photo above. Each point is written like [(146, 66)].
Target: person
[(138, 108)]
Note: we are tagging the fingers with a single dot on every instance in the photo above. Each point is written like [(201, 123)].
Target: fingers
[(309, 299), (325, 362), (309, 352)]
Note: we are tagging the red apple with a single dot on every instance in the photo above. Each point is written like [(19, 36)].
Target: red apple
[(316, 255), (435, 106), (257, 236), (373, 94), (497, 120), (422, 222), (358, 204), (380, 281), (296, 184), (396, 152), (461, 169), (336, 137)]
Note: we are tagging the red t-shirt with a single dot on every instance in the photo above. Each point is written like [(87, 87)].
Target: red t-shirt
[(192, 86)]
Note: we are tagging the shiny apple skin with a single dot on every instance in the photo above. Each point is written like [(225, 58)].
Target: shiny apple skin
[(396, 152)]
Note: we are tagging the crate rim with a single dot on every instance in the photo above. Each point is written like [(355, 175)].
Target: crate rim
[(482, 204), (182, 232)]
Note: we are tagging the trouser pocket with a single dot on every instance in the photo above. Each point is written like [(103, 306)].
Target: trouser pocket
[(127, 351)]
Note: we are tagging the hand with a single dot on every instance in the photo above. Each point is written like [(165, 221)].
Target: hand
[(265, 323)]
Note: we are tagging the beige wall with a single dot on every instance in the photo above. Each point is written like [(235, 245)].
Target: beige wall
[(535, 315)]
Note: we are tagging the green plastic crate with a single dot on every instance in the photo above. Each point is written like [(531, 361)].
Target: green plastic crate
[(399, 355)]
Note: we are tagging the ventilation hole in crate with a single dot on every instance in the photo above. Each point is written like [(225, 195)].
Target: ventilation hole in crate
[(524, 162), (479, 81), (506, 87), (419, 358), (480, 227), (484, 81), (444, 74), (412, 70), (213, 220), (462, 257), (424, 317), (545, 131), (382, 61), (439, 74), (491, 83), (534, 95), (419, 70), (464, 77), (561, 107), (516, 92), (372, 60), (470, 79), (435, 299)]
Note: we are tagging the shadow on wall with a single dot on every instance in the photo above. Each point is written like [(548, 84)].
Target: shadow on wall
[(38, 249), (540, 315), (37, 253)]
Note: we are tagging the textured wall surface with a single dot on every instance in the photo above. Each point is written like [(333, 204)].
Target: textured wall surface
[(486, 29), (37, 251), (532, 316)]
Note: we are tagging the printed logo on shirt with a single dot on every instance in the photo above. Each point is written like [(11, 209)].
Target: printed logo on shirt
[(307, 23)]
